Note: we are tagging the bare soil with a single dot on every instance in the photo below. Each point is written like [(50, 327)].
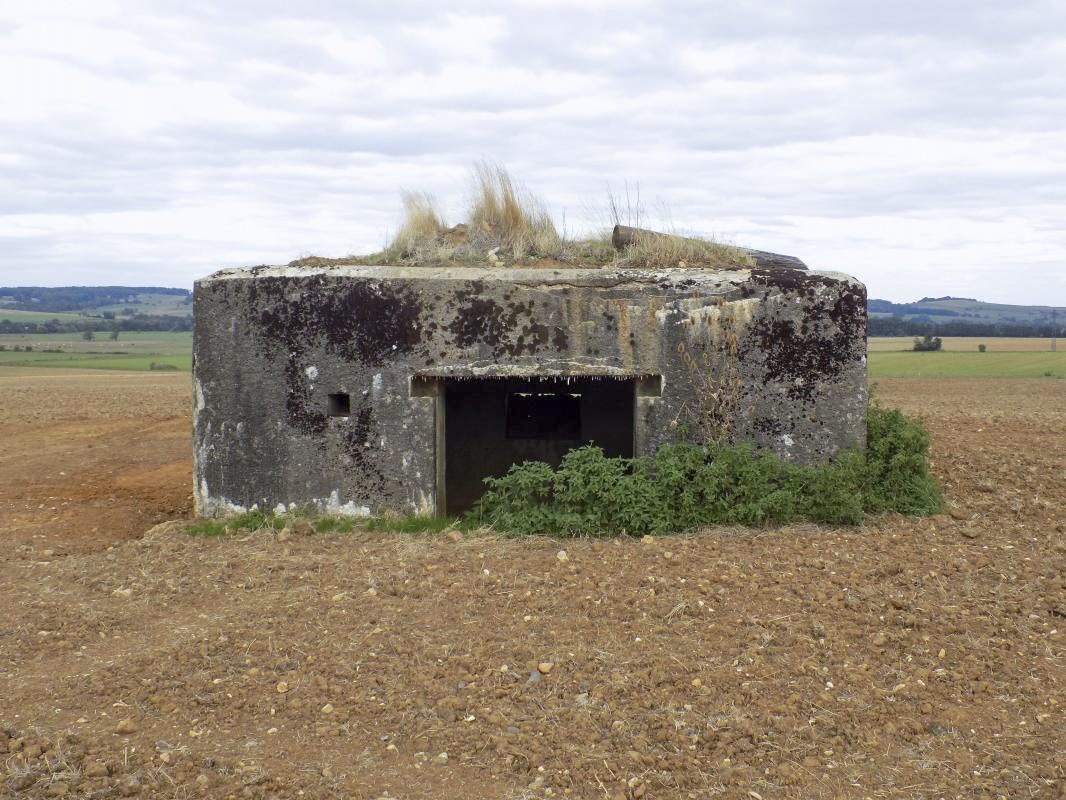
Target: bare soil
[(905, 658)]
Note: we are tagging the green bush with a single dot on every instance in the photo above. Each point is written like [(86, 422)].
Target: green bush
[(896, 474), (684, 486), (928, 343)]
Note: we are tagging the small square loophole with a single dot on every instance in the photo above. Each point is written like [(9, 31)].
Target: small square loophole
[(339, 405)]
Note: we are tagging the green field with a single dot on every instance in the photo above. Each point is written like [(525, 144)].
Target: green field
[(967, 365), (137, 350), (146, 342), (165, 304), (994, 344), (133, 350), (45, 316)]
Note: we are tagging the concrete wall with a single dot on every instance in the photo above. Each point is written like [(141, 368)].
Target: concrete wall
[(271, 344)]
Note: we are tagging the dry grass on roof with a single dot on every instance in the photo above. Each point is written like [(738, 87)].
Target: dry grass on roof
[(508, 226)]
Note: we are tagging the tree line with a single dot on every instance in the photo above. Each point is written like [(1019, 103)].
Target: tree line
[(138, 322), (921, 326), (81, 298)]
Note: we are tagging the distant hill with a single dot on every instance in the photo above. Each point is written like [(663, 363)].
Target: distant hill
[(963, 316), (63, 309), (96, 299), (161, 308)]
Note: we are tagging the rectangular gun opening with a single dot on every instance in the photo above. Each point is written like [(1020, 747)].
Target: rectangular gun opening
[(491, 423)]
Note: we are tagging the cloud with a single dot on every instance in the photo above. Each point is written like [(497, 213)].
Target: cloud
[(911, 143)]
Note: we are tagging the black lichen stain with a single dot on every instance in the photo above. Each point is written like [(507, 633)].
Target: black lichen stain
[(508, 331), (799, 281), (299, 407), (803, 355), (478, 320), (371, 322), (771, 426), (359, 440)]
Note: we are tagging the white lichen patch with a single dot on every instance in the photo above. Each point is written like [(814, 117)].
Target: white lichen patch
[(425, 505), (220, 506), (333, 505), (707, 321)]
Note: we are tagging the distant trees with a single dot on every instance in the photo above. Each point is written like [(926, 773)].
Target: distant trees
[(79, 298), (928, 343), (138, 322), (899, 326)]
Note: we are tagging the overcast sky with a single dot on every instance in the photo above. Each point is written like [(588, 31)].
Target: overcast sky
[(919, 145)]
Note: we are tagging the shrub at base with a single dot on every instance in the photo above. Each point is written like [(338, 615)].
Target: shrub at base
[(684, 486), (897, 469)]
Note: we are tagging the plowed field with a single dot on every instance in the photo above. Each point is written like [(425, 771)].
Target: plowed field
[(906, 658)]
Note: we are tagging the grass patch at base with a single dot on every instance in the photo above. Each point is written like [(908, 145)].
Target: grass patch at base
[(413, 523), (306, 522), (245, 521)]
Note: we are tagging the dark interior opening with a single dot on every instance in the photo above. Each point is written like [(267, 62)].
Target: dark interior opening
[(492, 423), (544, 415), (339, 405)]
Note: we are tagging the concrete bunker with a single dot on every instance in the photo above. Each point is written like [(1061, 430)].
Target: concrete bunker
[(356, 389)]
